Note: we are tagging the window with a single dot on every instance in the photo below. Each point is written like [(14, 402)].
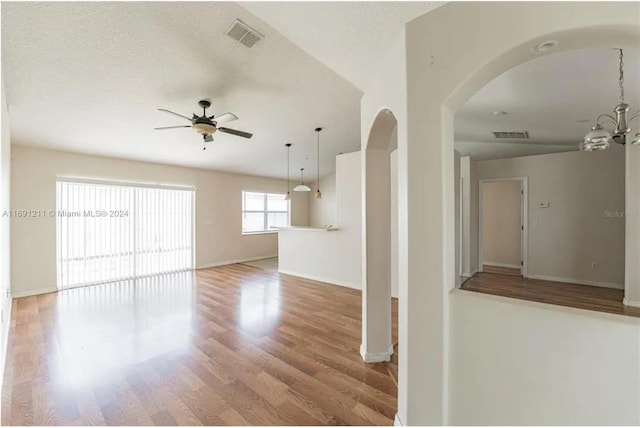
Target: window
[(108, 232), (264, 212)]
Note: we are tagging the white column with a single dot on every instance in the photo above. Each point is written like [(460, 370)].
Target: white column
[(376, 255), (632, 227)]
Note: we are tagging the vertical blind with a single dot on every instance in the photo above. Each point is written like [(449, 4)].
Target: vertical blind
[(108, 232)]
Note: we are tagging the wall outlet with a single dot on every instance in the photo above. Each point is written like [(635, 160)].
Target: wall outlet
[(594, 265)]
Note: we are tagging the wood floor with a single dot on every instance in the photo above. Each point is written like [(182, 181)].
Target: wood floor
[(558, 293), (502, 270), (232, 345)]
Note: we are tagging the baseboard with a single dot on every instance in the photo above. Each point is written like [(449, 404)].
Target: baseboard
[(397, 421), (321, 279), (376, 357), (504, 265), (233, 262), (28, 293), (469, 274), (577, 281), (634, 303)]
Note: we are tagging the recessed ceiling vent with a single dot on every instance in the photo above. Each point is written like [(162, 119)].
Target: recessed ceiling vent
[(244, 34), (511, 135)]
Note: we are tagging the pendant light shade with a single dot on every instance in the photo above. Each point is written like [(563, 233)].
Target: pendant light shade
[(288, 195), (597, 139), (318, 192), (302, 187)]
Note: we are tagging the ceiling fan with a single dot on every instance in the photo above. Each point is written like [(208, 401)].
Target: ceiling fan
[(207, 125)]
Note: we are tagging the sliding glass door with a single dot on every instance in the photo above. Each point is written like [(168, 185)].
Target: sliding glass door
[(108, 232)]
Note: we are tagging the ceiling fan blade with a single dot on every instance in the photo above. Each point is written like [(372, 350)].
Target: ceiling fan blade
[(236, 132), (227, 117), (173, 127), (175, 114)]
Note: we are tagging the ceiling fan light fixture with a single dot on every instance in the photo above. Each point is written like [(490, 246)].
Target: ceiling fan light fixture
[(204, 128)]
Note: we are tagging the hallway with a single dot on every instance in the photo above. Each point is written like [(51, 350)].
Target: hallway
[(557, 293)]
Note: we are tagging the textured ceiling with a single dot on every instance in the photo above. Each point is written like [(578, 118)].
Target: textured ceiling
[(89, 76), (351, 37), (550, 97)]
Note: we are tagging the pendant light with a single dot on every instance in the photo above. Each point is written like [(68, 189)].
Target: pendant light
[(599, 138), (302, 187), (288, 195), (318, 192)]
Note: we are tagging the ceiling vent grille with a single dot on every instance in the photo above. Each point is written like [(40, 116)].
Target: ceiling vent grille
[(244, 34), (511, 135)]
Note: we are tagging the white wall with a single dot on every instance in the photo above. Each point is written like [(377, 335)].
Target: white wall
[(323, 211), (469, 217), (524, 363), (632, 218), (332, 257), (566, 238), (393, 192), (458, 217), (219, 236), (5, 223), (501, 223)]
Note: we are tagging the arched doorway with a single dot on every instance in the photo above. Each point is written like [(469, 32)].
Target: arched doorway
[(377, 234), (436, 76)]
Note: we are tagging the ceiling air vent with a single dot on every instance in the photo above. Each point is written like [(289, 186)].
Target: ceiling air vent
[(244, 34), (511, 135)]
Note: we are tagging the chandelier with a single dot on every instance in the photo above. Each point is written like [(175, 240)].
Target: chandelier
[(599, 138)]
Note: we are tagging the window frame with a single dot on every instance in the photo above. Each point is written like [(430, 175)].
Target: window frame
[(265, 212)]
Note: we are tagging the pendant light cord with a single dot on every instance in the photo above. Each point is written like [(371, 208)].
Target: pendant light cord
[(318, 172), (621, 79), (288, 175)]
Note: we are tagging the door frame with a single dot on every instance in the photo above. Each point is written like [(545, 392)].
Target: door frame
[(524, 220)]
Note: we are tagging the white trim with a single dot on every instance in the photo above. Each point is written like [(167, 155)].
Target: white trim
[(376, 357), (634, 303), (233, 262), (525, 220), (321, 279), (504, 265), (397, 421), (261, 232), (578, 281), (35, 292), (469, 275)]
